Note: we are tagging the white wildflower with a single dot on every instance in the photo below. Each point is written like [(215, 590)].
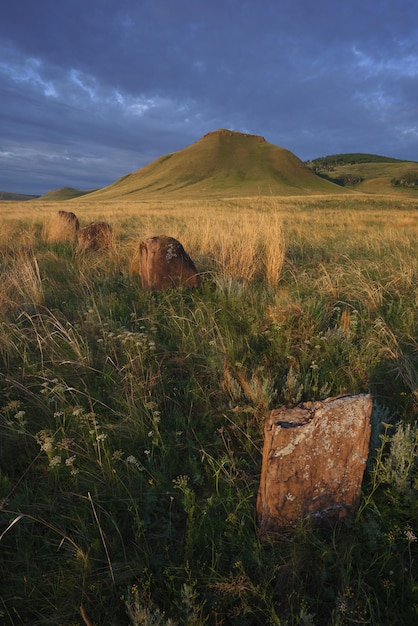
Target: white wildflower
[(410, 535), (47, 445), (134, 461), (342, 606)]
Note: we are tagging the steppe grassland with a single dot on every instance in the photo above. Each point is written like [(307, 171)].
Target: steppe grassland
[(130, 423), (240, 234), (243, 239)]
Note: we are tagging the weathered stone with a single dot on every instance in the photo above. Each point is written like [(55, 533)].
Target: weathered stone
[(95, 236), (69, 218), (63, 226), (164, 264), (314, 458)]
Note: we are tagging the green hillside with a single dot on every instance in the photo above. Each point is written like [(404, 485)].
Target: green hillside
[(64, 193), (221, 163), (368, 173)]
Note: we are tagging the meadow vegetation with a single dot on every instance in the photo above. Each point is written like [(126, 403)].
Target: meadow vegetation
[(131, 422)]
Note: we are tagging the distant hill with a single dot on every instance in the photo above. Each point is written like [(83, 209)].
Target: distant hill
[(64, 193), (221, 163), (6, 195), (368, 173), (355, 158), (226, 163)]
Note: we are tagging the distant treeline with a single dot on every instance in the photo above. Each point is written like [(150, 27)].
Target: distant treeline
[(336, 160)]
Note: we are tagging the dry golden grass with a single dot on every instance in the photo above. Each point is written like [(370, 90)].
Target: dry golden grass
[(244, 238), (20, 279), (59, 229)]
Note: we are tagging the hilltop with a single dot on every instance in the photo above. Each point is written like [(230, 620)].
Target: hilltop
[(64, 193), (350, 158), (221, 163)]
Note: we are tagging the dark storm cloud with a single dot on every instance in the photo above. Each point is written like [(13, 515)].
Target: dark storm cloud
[(91, 91)]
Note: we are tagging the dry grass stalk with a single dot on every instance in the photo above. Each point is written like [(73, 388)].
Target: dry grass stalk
[(274, 251), (61, 227), (21, 282)]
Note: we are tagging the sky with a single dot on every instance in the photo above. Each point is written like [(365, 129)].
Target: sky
[(91, 90)]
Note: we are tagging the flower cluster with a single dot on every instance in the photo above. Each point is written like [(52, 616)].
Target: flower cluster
[(132, 460), (410, 535), (141, 340)]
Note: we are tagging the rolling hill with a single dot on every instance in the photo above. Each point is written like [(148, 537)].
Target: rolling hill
[(368, 173), (8, 195), (226, 163), (221, 163), (64, 193)]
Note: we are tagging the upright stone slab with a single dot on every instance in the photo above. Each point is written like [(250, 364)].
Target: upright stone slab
[(95, 236), (165, 264), (314, 458)]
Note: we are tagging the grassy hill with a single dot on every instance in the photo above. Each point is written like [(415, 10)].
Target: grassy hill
[(6, 195), (226, 163), (64, 193), (368, 173), (221, 163)]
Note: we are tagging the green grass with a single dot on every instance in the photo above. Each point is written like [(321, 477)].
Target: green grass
[(131, 422)]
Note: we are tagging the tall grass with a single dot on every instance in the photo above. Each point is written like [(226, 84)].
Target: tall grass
[(131, 422), (59, 229), (20, 278)]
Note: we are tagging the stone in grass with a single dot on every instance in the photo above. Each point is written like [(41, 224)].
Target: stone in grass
[(164, 264), (95, 236), (314, 457)]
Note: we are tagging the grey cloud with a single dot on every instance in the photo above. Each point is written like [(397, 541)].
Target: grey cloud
[(121, 83)]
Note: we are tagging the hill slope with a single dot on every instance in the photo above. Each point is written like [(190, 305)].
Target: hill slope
[(8, 195), (368, 173), (221, 163), (64, 193)]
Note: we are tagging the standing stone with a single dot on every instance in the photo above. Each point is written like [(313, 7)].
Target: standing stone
[(69, 218), (164, 264), (314, 458), (63, 226), (95, 236)]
